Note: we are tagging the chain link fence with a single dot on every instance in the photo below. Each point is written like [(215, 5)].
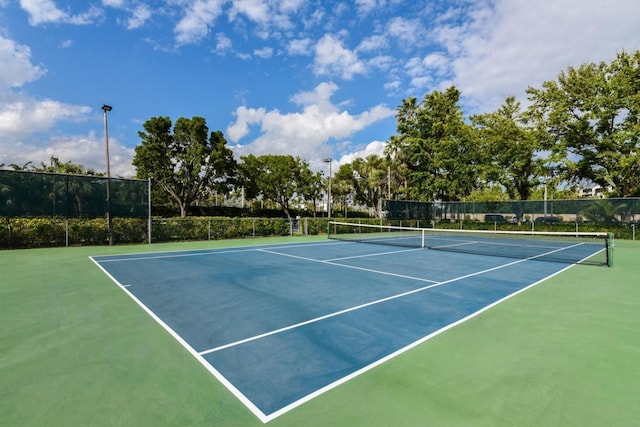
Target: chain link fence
[(618, 215), (38, 194)]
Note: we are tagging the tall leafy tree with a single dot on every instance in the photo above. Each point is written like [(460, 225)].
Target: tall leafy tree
[(439, 149), (397, 163), (222, 162), (342, 189), (368, 180), (312, 187), (185, 163), (593, 116), (279, 178), (511, 151)]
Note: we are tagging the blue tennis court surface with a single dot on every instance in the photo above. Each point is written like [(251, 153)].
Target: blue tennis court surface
[(280, 324)]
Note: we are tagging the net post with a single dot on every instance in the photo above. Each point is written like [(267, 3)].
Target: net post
[(149, 219), (609, 249), (422, 243)]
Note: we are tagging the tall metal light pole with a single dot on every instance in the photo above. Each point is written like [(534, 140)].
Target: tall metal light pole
[(330, 161), (106, 108)]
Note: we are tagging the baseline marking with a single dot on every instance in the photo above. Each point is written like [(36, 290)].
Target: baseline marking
[(201, 252)]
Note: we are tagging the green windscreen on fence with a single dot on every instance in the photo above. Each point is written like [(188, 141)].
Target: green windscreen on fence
[(37, 194), (603, 211)]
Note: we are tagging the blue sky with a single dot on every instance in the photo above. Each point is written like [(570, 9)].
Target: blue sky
[(310, 78)]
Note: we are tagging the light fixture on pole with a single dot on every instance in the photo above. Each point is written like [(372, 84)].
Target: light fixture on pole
[(106, 108), (330, 161)]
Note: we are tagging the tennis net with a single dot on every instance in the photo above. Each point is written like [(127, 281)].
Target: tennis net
[(571, 248)]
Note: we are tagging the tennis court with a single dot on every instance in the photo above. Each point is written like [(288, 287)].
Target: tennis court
[(75, 350), (281, 324)]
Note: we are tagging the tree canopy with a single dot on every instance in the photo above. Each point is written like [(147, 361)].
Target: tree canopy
[(279, 178), (437, 149), (186, 163), (510, 151), (592, 116)]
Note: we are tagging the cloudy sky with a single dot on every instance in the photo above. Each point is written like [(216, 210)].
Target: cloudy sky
[(310, 78)]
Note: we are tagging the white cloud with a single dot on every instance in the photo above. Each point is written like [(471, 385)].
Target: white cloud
[(437, 62), (197, 19), (264, 53), (393, 86), (267, 14), (17, 68), (425, 83), (244, 118), (374, 147), (320, 97), (299, 47), (332, 58), (114, 3), (316, 17), (45, 12), (406, 30), (428, 72), (42, 11), (290, 6), (367, 6), (223, 44), (255, 10), (303, 133), (139, 16), (415, 67), (507, 46), (78, 149), (373, 43), (383, 62), (21, 116), (140, 12)]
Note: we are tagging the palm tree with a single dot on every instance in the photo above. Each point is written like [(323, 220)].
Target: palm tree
[(604, 211)]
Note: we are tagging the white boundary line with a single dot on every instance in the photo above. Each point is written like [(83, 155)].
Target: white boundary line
[(204, 252), (374, 254), (246, 401), (353, 267), (379, 362), (358, 307)]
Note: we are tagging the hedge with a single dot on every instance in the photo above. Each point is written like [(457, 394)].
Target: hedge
[(16, 233), (50, 232)]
